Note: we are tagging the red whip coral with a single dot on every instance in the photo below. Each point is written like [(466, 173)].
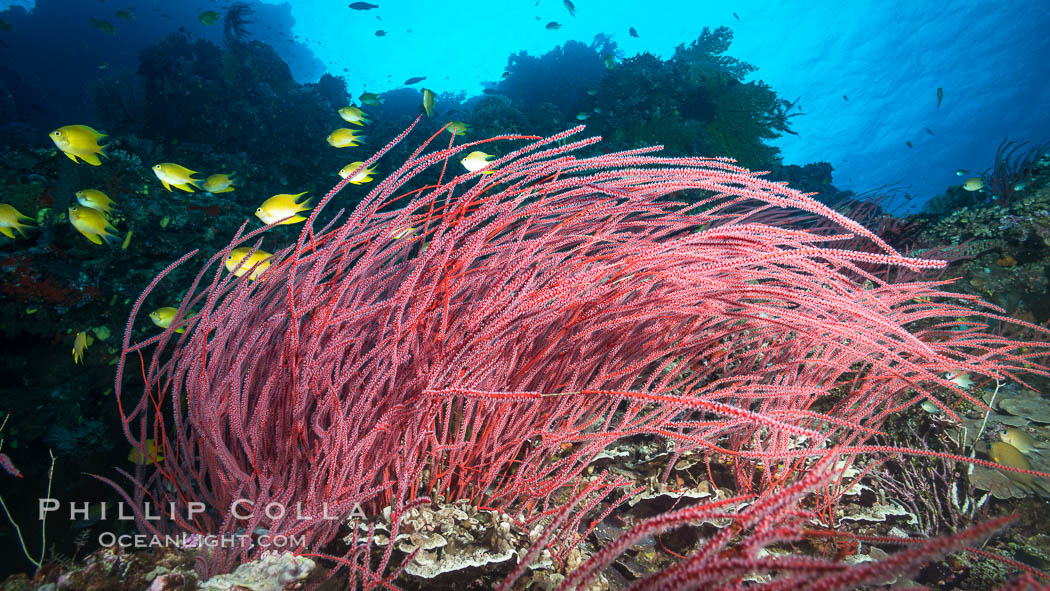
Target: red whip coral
[(484, 337)]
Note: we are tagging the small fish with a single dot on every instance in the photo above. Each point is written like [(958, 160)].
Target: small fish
[(92, 224), (476, 161), (553, 26), (930, 407), (79, 141), (414, 80), (126, 15), (962, 172), (127, 240), (363, 6), (845, 98), (929, 131), (582, 116), (632, 32), (570, 7), (95, 199), (283, 206), (960, 379), (458, 128), (370, 98), (1020, 185), (1024, 442), (162, 317), (940, 97), (1008, 455), (428, 101), (239, 263), (505, 74), (173, 175), (11, 219), (104, 26), (102, 65), (357, 177), (219, 183), (609, 60), (490, 91), (352, 114), (973, 184), (592, 91), (909, 144), (380, 33), (736, 16), (403, 233), (344, 138), (208, 17), (145, 455), (80, 344)]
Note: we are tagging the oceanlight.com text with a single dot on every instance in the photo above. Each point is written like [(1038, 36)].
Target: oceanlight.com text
[(144, 541)]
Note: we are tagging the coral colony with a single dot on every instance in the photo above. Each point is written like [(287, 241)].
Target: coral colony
[(484, 337)]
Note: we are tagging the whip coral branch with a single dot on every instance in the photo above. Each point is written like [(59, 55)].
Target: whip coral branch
[(535, 316)]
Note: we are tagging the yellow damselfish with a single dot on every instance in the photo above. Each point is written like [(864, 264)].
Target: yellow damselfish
[(79, 141), (80, 344), (92, 224), (476, 161), (352, 114), (458, 128), (357, 177), (95, 199), (283, 206), (219, 183), (344, 138), (173, 175), (1008, 455), (11, 219), (1022, 441), (162, 317), (370, 98), (428, 101), (147, 454), (239, 263)]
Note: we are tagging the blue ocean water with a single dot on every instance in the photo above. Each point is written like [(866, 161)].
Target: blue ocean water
[(865, 74)]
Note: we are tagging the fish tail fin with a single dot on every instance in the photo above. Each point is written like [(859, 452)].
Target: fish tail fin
[(109, 236), (7, 232)]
